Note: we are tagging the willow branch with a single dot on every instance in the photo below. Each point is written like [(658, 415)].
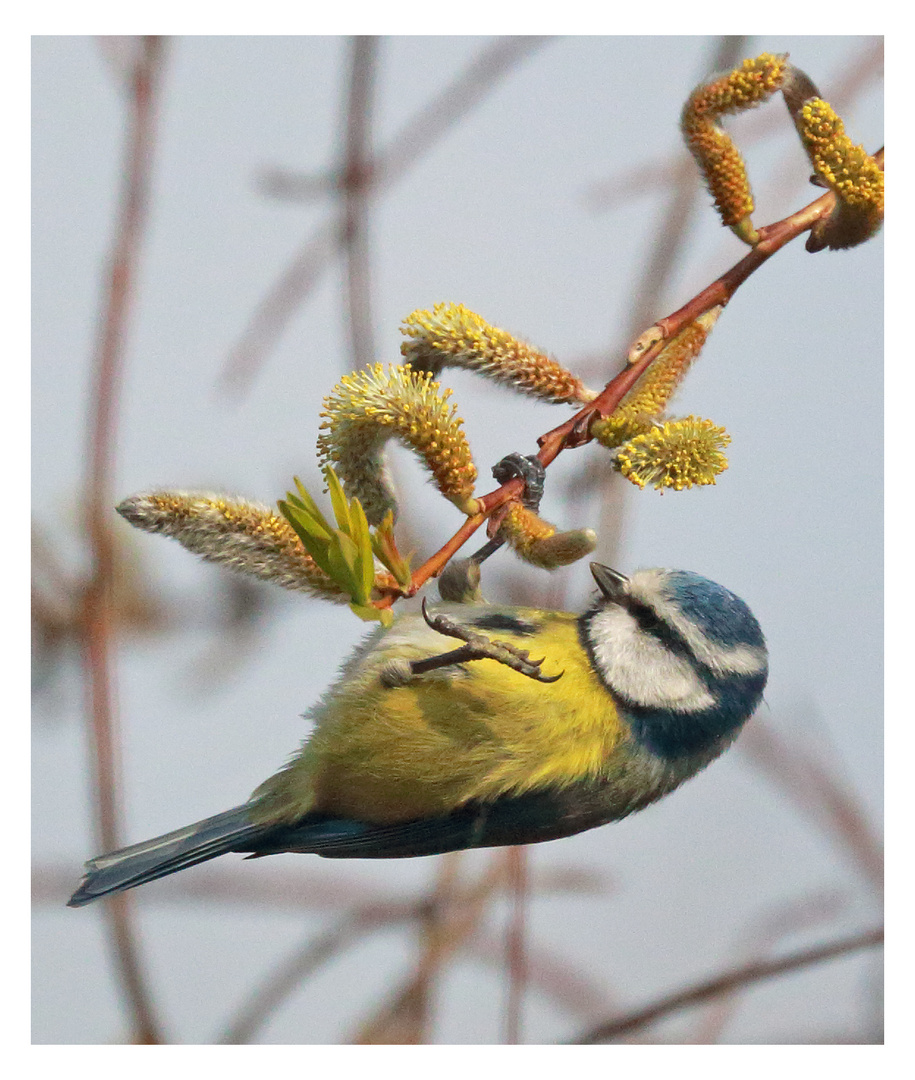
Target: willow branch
[(575, 432)]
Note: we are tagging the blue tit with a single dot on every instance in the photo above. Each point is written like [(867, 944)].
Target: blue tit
[(418, 751)]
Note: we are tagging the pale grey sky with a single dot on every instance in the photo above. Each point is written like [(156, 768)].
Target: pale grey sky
[(494, 217)]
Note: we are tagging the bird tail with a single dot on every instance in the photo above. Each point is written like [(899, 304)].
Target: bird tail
[(232, 830)]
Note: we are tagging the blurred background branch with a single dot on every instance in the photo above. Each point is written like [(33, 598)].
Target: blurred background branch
[(485, 914), (727, 982), (142, 93)]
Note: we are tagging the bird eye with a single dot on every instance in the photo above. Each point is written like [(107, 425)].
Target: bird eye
[(614, 585)]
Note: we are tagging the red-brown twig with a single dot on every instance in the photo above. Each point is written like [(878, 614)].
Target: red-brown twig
[(727, 983), (97, 622), (649, 293)]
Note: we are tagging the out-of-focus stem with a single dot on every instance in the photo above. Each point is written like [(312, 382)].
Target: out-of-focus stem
[(97, 615), (516, 941), (357, 173), (428, 126), (729, 981), (444, 937)]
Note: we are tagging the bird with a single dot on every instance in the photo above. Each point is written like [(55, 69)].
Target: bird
[(418, 751)]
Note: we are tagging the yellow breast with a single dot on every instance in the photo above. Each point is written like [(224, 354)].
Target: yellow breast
[(393, 754)]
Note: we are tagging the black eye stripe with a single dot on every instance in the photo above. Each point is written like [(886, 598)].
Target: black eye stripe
[(649, 622)]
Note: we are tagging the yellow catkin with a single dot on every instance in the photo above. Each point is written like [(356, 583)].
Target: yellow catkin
[(713, 149), (244, 536), (638, 411), (538, 542), (845, 168), (678, 454), (453, 336), (369, 407)]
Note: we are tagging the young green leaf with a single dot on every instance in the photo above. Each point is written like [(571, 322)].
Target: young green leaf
[(338, 500), (314, 539), (306, 500), (369, 613), (365, 566)]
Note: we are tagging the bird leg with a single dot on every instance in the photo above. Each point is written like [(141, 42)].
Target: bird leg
[(460, 583), (477, 647)]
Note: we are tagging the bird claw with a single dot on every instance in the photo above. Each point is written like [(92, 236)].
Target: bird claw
[(478, 647)]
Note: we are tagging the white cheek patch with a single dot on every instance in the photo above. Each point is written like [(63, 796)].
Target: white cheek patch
[(640, 668)]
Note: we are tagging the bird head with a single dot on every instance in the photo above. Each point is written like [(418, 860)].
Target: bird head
[(683, 657)]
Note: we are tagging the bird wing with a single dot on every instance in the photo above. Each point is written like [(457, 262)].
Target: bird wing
[(518, 819)]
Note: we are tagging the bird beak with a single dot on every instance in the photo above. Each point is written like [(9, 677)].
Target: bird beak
[(612, 584)]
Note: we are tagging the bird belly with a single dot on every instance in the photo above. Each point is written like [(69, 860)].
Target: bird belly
[(475, 732)]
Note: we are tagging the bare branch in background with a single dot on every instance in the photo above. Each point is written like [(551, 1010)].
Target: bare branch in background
[(546, 972), (457, 920), (316, 951), (97, 615), (272, 314), (288, 891), (828, 798), (428, 126), (766, 933), (552, 975), (516, 941), (727, 983), (357, 154)]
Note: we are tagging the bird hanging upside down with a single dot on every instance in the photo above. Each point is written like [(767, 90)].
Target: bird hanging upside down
[(418, 751)]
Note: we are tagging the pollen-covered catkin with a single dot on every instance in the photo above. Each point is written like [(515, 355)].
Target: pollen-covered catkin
[(453, 336), (244, 536), (371, 406)]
